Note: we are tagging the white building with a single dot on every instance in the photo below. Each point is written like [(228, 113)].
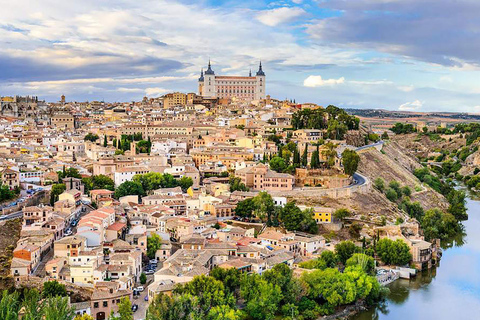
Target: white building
[(127, 174), (225, 87)]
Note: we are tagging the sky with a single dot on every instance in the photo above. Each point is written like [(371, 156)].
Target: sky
[(419, 55)]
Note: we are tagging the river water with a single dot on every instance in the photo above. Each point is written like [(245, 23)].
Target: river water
[(449, 292)]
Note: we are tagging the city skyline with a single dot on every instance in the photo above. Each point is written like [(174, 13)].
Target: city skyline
[(396, 55)]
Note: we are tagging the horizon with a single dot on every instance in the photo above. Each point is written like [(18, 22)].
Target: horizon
[(393, 55)]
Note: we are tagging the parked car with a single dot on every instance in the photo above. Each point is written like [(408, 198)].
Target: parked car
[(153, 261), (68, 232), (140, 288), (146, 298), (134, 307), (150, 271)]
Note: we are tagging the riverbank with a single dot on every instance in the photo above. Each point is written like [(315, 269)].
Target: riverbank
[(452, 289)]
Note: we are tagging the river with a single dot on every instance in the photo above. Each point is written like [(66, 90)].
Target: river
[(450, 291)]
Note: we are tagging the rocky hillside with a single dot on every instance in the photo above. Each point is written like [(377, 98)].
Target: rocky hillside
[(9, 235), (422, 145), (395, 162)]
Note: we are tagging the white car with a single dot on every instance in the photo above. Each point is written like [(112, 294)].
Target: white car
[(153, 261), (140, 289), (150, 272)]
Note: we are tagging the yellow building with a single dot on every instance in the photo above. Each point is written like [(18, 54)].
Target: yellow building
[(174, 99), (322, 215)]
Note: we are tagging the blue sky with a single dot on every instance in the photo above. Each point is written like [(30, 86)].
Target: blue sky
[(395, 54)]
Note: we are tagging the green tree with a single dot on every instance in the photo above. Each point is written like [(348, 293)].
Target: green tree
[(105, 142), (391, 194), (278, 164), (379, 184), (129, 188), (341, 214), (439, 225), (224, 312), (296, 158), (58, 308), (91, 137), (177, 307), (53, 289), (32, 305), (366, 262), (345, 250), (9, 306), (124, 310), (143, 278), (229, 277), (185, 183), (56, 190), (281, 275), (236, 184), (350, 161), (209, 291), (245, 208), (393, 252), (314, 160), (264, 206), (262, 298), (330, 154), (406, 191), (305, 156), (154, 243), (98, 182)]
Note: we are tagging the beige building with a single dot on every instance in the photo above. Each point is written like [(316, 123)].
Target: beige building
[(260, 177), (63, 121)]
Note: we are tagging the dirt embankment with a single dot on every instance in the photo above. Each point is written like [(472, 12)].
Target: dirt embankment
[(397, 163), (422, 145), (9, 235)]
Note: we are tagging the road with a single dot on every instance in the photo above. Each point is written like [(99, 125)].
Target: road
[(140, 301), (40, 270), (11, 216), (370, 145)]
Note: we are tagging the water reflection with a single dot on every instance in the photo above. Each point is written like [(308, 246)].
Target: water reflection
[(450, 291)]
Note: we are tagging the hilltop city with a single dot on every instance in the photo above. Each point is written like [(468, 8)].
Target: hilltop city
[(226, 201)]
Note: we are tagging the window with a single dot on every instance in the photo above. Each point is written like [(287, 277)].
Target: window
[(105, 304), (95, 304)]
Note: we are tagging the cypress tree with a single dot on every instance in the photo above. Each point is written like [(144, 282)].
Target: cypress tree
[(296, 158), (105, 142), (305, 156)]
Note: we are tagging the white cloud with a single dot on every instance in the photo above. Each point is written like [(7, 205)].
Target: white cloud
[(406, 88), (411, 106), (155, 92), (297, 1), (279, 15), (317, 81)]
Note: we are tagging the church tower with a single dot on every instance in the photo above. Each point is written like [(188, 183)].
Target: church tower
[(260, 83), (209, 83), (201, 81)]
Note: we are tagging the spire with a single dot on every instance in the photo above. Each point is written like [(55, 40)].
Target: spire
[(201, 76), (209, 70), (250, 73), (260, 71)]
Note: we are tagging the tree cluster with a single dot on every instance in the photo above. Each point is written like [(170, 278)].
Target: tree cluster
[(403, 128), (141, 184), (276, 294), (91, 137), (290, 216), (98, 182), (50, 304)]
